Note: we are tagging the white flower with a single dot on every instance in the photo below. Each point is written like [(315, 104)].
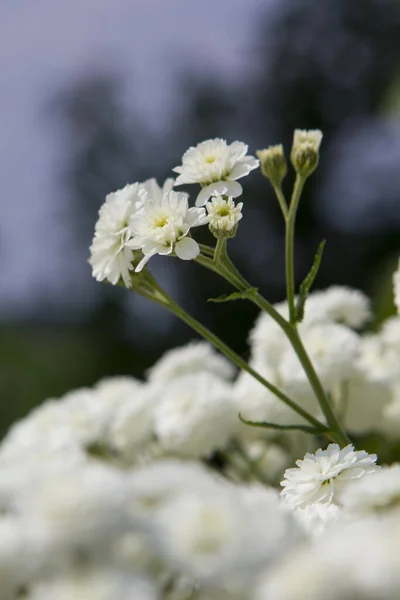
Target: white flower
[(378, 360), (390, 425), (44, 432), (321, 476), (104, 584), (196, 415), (390, 333), (224, 215), (77, 508), (214, 533), (356, 560), (338, 304), (162, 226), (153, 190), (396, 288), (195, 357), (316, 518), (333, 350), (131, 427), (267, 340), (111, 258), (378, 493), (216, 166), (154, 485), (13, 564), (362, 404)]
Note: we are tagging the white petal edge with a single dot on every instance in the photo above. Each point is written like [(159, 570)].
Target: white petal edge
[(187, 248)]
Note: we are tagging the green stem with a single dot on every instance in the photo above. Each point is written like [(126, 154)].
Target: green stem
[(332, 420), (219, 250), (239, 362), (289, 246), (335, 429), (269, 425), (281, 199), (207, 250)]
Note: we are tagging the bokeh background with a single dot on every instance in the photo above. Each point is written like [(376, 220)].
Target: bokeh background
[(98, 93)]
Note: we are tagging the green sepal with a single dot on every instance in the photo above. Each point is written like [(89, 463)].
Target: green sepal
[(307, 283), (245, 295)]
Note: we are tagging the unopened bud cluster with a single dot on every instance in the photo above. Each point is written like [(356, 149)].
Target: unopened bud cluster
[(305, 151)]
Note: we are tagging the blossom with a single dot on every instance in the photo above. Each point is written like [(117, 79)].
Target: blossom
[(216, 166), (195, 357), (339, 304), (85, 506), (101, 584), (195, 416), (396, 288), (152, 486), (321, 476), (316, 518), (363, 403), (110, 256), (333, 349), (350, 560), (162, 224), (224, 216), (214, 532), (374, 494)]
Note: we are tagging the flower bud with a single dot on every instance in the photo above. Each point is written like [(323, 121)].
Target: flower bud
[(305, 150), (224, 217), (273, 163)]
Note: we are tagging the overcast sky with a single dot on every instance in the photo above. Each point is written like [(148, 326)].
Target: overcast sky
[(45, 43)]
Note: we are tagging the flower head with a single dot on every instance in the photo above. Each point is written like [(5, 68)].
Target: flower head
[(195, 415), (339, 304), (273, 163), (162, 224), (375, 494), (320, 476), (224, 216), (110, 256), (195, 357), (305, 150), (216, 166)]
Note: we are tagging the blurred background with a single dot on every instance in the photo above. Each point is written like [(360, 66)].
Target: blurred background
[(98, 93)]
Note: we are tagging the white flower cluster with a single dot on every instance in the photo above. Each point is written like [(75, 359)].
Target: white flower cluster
[(150, 219), (361, 372), (98, 499), (154, 489)]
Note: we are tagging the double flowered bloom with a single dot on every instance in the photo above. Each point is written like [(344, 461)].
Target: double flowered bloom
[(162, 226), (320, 477), (142, 217), (110, 256), (157, 220), (216, 166)]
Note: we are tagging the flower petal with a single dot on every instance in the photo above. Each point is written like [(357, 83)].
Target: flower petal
[(187, 248), (204, 195)]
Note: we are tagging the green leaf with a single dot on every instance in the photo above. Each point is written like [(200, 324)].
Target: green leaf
[(245, 295), (307, 283), (268, 425)]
